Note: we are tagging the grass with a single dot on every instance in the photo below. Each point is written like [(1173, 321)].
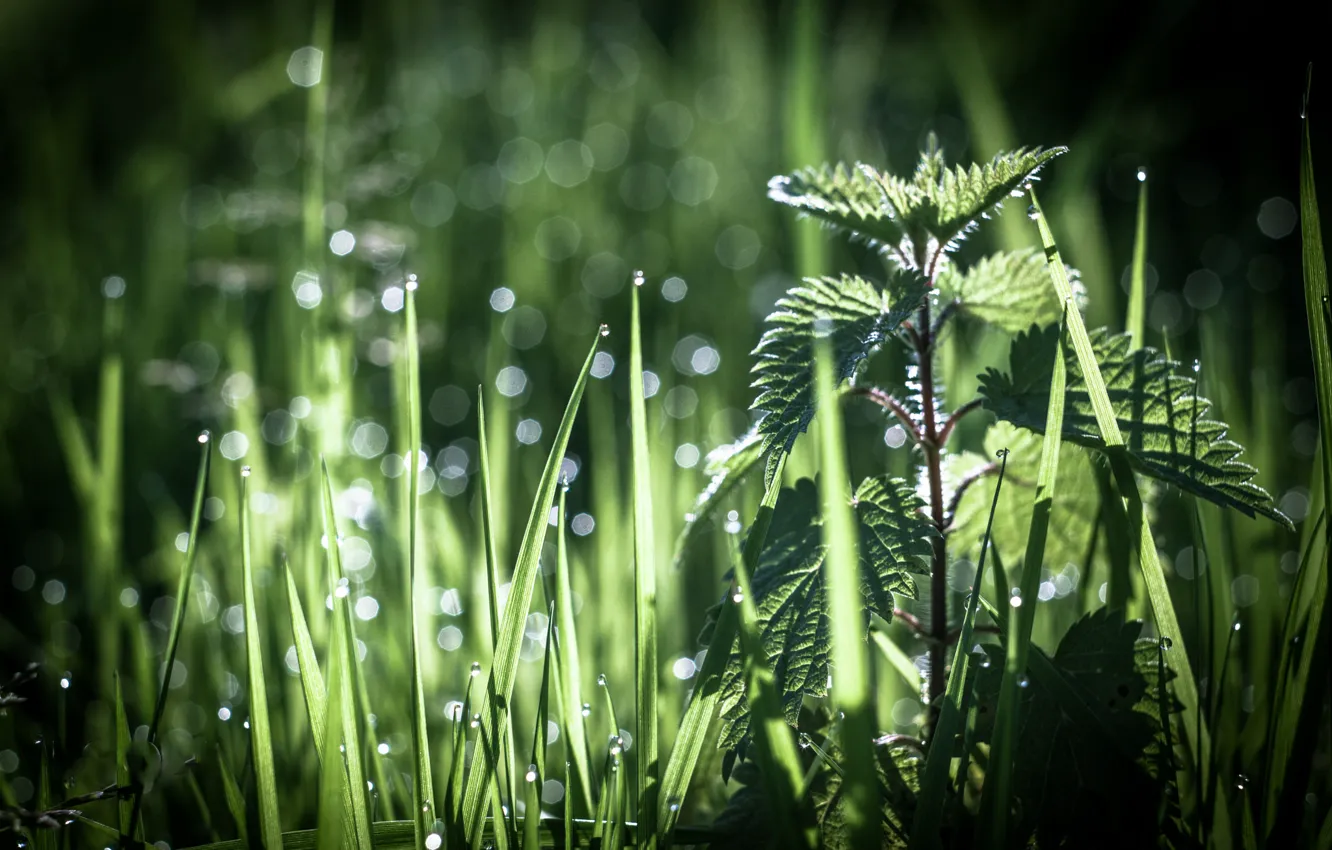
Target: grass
[(395, 737)]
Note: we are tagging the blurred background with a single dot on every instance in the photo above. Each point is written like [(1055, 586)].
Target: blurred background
[(207, 211)]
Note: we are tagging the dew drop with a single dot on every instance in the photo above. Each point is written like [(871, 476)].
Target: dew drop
[(587, 709), (605, 329), (601, 680), (412, 283), (1165, 642), (1241, 782), (476, 720), (985, 664), (204, 436), (245, 472), (1142, 174), (476, 669), (639, 279), (738, 596), (1033, 213), (531, 773), (1236, 626), (1023, 681), (673, 804), (1197, 365)]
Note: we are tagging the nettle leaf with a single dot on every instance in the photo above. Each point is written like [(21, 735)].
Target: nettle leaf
[(1167, 435), (910, 222), (957, 197), (869, 205), (1010, 290), (788, 589), (1089, 725), (858, 314), (1076, 504), (726, 467)]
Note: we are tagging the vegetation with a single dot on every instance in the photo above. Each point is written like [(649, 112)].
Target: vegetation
[(969, 630)]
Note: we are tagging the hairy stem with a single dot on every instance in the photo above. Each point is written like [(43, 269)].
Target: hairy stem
[(930, 444)]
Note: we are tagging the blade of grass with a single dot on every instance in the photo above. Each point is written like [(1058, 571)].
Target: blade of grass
[(707, 689), (489, 530), (1003, 746), (898, 660), (1297, 729), (312, 680), (570, 666), (235, 799), (841, 571), (261, 736), (938, 761), (458, 760), (182, 605), (342, 676), (337, 753), (645, 597), (1167, 621), (536, 768), (423, 794), (1136, 320), (123, 779), (505, 668)]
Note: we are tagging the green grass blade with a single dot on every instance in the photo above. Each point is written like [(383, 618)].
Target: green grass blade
[(124, 806), (232, 792), (1297, 729), (453, 794), (645, 596), (898, 660), (505, 668), (182, 605), (336, 751), (1003, 746), (423, 795), (1136, 320), (534, 778), (570, 667), (1167, 621), (312, 680), (850, 657), (341, 677), (707, 688), (261, 735), (952, 715)]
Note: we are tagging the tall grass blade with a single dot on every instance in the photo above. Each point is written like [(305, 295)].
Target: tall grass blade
[(1136, 320), (703, 699), (261, 734), (235, 798), (570, 669), (182, 605), (841, 570), (505, 668), (952, 715), (423, 794), (1297, 729), (123, 776), (342, 675), (1167, 621), (534, 778), (1003, 745), (453, 793), (312, 680), (336, 752), (645, 595)]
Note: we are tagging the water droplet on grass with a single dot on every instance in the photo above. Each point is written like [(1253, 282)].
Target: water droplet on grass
[(605, 330), (531, 773), (204, 437), (601, 680), (587, 709), (639, 279), (245, 472)]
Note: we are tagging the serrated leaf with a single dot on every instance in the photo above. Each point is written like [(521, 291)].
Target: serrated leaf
[(1010, 290), (860, 316), (788, 589), (868, 204), (1166, 433), (1089, 719), (957, 197)]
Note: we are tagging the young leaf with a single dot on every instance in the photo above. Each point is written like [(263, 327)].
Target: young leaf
[(789, 589), (1161, 418), (1008, 290), (868, 204), (862, 316)]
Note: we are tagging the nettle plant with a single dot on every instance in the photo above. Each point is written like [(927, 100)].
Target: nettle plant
[(1104, 683)]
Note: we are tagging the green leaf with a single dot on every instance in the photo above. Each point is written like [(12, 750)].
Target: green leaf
[(1089, 719), (231, 790), (862, 315), (261, 732), (956, 197), (868, 204), (1166, 433), (789, 590), (1009, 290)]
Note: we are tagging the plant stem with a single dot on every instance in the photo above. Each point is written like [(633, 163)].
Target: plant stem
[(930, 445)]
